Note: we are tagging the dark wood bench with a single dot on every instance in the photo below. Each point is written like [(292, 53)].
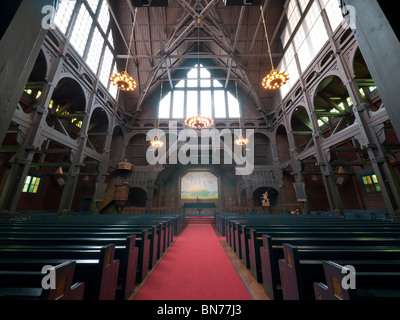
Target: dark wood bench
[(251, 248), (88, 238), (27, 285), (141, 247), (96, 268), (375, 279), (170, 223), (271, 252), (238, 231), (302, 267), (154, 235), (125, 251)]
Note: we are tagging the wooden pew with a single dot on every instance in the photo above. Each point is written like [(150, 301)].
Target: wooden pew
[(87, 238), (112, 226), (125, 251), (238, 229), (96, 268), (155, 234), (27, 285), (251, 247), (272, 251), (302, 267), (374, 280)]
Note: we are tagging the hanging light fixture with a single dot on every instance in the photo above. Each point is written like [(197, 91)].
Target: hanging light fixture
[(199, 122), (156, 142), (123, 80), (241, 141), (341, 170), (275, 79)]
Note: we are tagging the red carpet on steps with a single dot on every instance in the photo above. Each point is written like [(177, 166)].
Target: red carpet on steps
[(195, 268)]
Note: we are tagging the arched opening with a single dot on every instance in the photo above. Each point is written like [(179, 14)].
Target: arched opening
[(273, 196), (301, 129), (98, 130), (136, 150), (34, 87), (368, 90), (282, 143), (137, 198), (333, 106), (117, 145), (67, 108), (262, 150)]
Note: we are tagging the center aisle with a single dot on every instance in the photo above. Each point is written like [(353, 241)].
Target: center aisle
[(195, 268)]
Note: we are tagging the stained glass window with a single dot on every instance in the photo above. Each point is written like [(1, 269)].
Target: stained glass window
[(31, 184)]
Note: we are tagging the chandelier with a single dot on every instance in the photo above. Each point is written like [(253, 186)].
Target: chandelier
[(275, 79), (199, 122), (156, 142), (123, 80), (241, 141)]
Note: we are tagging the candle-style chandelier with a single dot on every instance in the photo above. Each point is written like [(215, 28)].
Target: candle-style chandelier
[(199, 122), (156, 142), (123, 80), (275, 79), (241, 141)]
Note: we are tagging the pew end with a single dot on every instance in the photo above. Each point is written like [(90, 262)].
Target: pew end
[(333, 290), (27, 285), (270, 270), (288, 268), (373, 285), (109, 273)]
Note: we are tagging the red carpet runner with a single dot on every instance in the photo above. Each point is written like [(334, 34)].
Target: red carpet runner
[(195, 268)]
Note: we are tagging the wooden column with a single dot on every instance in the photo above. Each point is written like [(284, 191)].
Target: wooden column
[(369, 140), (12, 191), (19, 49), (77, 163), (380, 48)]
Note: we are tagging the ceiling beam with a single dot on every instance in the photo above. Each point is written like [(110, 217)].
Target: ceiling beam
[(234, 44), (195, 56)]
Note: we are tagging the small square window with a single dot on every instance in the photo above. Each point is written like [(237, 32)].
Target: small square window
[(370, 183), (32, 184)]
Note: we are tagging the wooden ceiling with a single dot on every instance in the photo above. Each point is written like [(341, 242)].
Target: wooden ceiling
[(170, 36)]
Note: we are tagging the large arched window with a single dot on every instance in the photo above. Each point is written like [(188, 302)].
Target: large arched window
[(90, 35), (198, 93)]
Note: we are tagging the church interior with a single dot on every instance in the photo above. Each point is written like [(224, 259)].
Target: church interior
[(240, 121)]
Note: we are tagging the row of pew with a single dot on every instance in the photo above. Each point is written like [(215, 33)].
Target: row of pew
[(301, 257), (96, 257)]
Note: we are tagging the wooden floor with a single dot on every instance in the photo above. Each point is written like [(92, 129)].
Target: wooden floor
[(255, 289)]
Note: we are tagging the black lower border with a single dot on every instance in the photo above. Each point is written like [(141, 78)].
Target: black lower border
[(198, 309)]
